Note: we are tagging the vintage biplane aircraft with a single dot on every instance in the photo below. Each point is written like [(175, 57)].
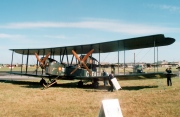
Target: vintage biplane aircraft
[(87, 67)]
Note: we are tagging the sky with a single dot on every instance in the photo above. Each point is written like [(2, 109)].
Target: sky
[(55, 23)]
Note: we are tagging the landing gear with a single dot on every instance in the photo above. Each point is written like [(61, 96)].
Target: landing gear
[(95, 83), (47, 85), (43, 82), (80, 84), (52, 82)]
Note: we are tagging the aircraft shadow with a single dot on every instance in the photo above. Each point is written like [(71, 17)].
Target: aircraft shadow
[(31, 84), (28, 84), (74, 85), (137, 87)]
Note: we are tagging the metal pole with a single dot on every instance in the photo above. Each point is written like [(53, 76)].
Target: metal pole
[(12, 60), (22, 62), (27, 61)]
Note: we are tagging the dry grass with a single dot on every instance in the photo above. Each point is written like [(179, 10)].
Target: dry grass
[(139, 98)]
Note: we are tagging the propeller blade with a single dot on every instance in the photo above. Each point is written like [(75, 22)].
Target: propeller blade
[(90, 73), (44, 59), (82, 61), (74, 70), (87, 55), (37, 57), (77, 57)]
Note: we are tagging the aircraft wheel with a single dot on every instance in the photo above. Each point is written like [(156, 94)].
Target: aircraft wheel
[(95, 85), (80, 84), (42, 81)]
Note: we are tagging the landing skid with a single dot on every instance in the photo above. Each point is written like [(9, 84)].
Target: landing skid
[(47, 85)]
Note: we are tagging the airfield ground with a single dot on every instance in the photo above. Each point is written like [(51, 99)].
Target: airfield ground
[(139, 98)]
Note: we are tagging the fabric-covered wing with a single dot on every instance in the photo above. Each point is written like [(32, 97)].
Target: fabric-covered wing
[(104, 47)]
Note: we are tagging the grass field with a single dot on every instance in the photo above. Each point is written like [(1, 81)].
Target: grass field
[(139, 98)]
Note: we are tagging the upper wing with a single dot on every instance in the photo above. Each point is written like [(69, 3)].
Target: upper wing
[(104, 47)]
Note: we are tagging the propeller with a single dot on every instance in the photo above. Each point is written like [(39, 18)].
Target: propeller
[(82, 61), (41, 62)]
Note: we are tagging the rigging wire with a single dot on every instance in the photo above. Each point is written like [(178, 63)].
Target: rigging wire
[(106, 57), (145, 54), (137, 55), (130, 58)]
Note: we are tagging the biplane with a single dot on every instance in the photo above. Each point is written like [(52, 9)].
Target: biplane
[(86, 66)]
